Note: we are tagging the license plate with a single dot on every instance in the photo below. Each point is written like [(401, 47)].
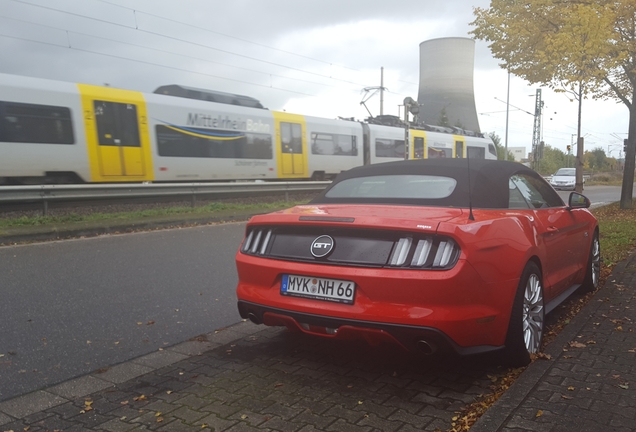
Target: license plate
[(334, 290)]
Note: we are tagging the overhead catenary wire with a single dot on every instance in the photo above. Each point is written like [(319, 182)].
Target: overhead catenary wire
[(189, 42)]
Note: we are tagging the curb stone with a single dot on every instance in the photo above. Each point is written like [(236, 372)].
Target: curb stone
[(58, 394)]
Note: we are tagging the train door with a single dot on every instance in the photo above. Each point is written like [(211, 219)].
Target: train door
[(117, 136), (119, 146), (291, 145), (460, 147)]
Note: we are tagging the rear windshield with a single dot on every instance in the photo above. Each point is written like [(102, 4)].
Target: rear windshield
[(395, 187)]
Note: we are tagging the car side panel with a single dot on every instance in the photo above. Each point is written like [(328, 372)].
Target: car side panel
[(565, 237)]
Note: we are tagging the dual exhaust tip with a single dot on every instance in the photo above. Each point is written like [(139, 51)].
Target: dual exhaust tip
[(423, 346)]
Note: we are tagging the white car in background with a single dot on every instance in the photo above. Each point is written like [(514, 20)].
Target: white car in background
[(564, 179)]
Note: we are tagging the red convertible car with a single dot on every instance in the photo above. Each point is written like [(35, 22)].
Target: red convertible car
[(457, 254)]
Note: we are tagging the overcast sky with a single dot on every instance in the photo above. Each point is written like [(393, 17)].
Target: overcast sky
[(310, 57)]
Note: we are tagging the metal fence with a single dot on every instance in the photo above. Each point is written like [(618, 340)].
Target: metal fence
[(50, 193)]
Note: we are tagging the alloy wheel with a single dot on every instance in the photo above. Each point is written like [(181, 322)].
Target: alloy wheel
[(533, 314), (596, 262)]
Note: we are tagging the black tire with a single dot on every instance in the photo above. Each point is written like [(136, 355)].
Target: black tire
[(526, 327), (593, 272)]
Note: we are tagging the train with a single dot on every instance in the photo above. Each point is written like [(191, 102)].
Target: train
[(63, 132)]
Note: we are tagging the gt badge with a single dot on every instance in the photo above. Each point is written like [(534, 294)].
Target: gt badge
[(322, 246)]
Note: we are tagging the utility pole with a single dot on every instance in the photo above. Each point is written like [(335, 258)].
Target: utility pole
[(536, 131), (382, 91)]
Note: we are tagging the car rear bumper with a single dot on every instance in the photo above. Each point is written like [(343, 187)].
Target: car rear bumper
[(412, 338), (457, 302)]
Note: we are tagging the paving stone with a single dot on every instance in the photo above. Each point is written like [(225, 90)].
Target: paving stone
[(78, 387), (215, 423), (4, 419), (159, 359), (116, 425), (123, 372), (30, 403), (187, 414)]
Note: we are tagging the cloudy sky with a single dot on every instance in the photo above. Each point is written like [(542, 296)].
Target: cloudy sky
[(312, 57)]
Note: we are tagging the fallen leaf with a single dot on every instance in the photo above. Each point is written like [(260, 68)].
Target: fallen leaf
[(624, 386), (571, 388), (539, 413), (158, 413), (150, 323), (123, 402), (159, 419), (577, 345), (169, 392), (565, 397)]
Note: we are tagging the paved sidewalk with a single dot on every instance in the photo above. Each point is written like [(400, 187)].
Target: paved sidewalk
[(590, 382)]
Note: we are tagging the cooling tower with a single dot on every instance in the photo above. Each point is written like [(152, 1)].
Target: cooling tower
[(446, 83)]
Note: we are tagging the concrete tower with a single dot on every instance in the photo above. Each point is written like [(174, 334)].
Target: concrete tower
[(446, 82)]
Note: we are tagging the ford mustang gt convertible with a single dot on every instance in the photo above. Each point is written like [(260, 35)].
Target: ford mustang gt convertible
[(464, 255)]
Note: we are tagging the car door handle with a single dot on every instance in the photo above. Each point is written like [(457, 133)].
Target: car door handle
[(552, 229)]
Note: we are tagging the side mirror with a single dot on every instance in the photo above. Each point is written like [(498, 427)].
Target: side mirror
[(577, 200)]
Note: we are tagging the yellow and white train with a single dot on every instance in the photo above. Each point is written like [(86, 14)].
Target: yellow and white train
[(59, 132)]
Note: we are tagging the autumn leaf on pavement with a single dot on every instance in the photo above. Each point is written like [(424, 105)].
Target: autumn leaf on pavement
[(539, 413), (577, 345)]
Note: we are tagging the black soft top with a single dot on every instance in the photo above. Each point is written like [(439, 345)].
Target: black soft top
[(488, 181)]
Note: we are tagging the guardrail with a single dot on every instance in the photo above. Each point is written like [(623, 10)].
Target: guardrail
[(49, 193)]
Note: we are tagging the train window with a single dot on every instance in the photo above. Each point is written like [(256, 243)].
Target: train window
[(333, 144), (116, 124), (389, 148), (291, 138), (210, 143), (459, 149), (438, 153), (38, 124), (418, 147), (476, 152), (492, 150)]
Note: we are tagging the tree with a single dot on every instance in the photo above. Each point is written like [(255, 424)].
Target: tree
[(600, 159), (552, 160), (580, 46), (501, 150)]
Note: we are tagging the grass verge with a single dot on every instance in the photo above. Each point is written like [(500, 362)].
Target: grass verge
[(210, 209)]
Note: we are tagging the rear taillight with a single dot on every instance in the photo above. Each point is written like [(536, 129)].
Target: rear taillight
[(425, 253), (256, 241)]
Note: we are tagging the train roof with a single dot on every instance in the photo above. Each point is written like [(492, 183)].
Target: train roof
[(208, 95)]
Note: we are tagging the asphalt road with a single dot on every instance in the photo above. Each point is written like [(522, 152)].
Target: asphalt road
[(599, 195), (70, 307)]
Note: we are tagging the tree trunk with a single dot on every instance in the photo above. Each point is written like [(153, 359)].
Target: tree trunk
[(628, 175)]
